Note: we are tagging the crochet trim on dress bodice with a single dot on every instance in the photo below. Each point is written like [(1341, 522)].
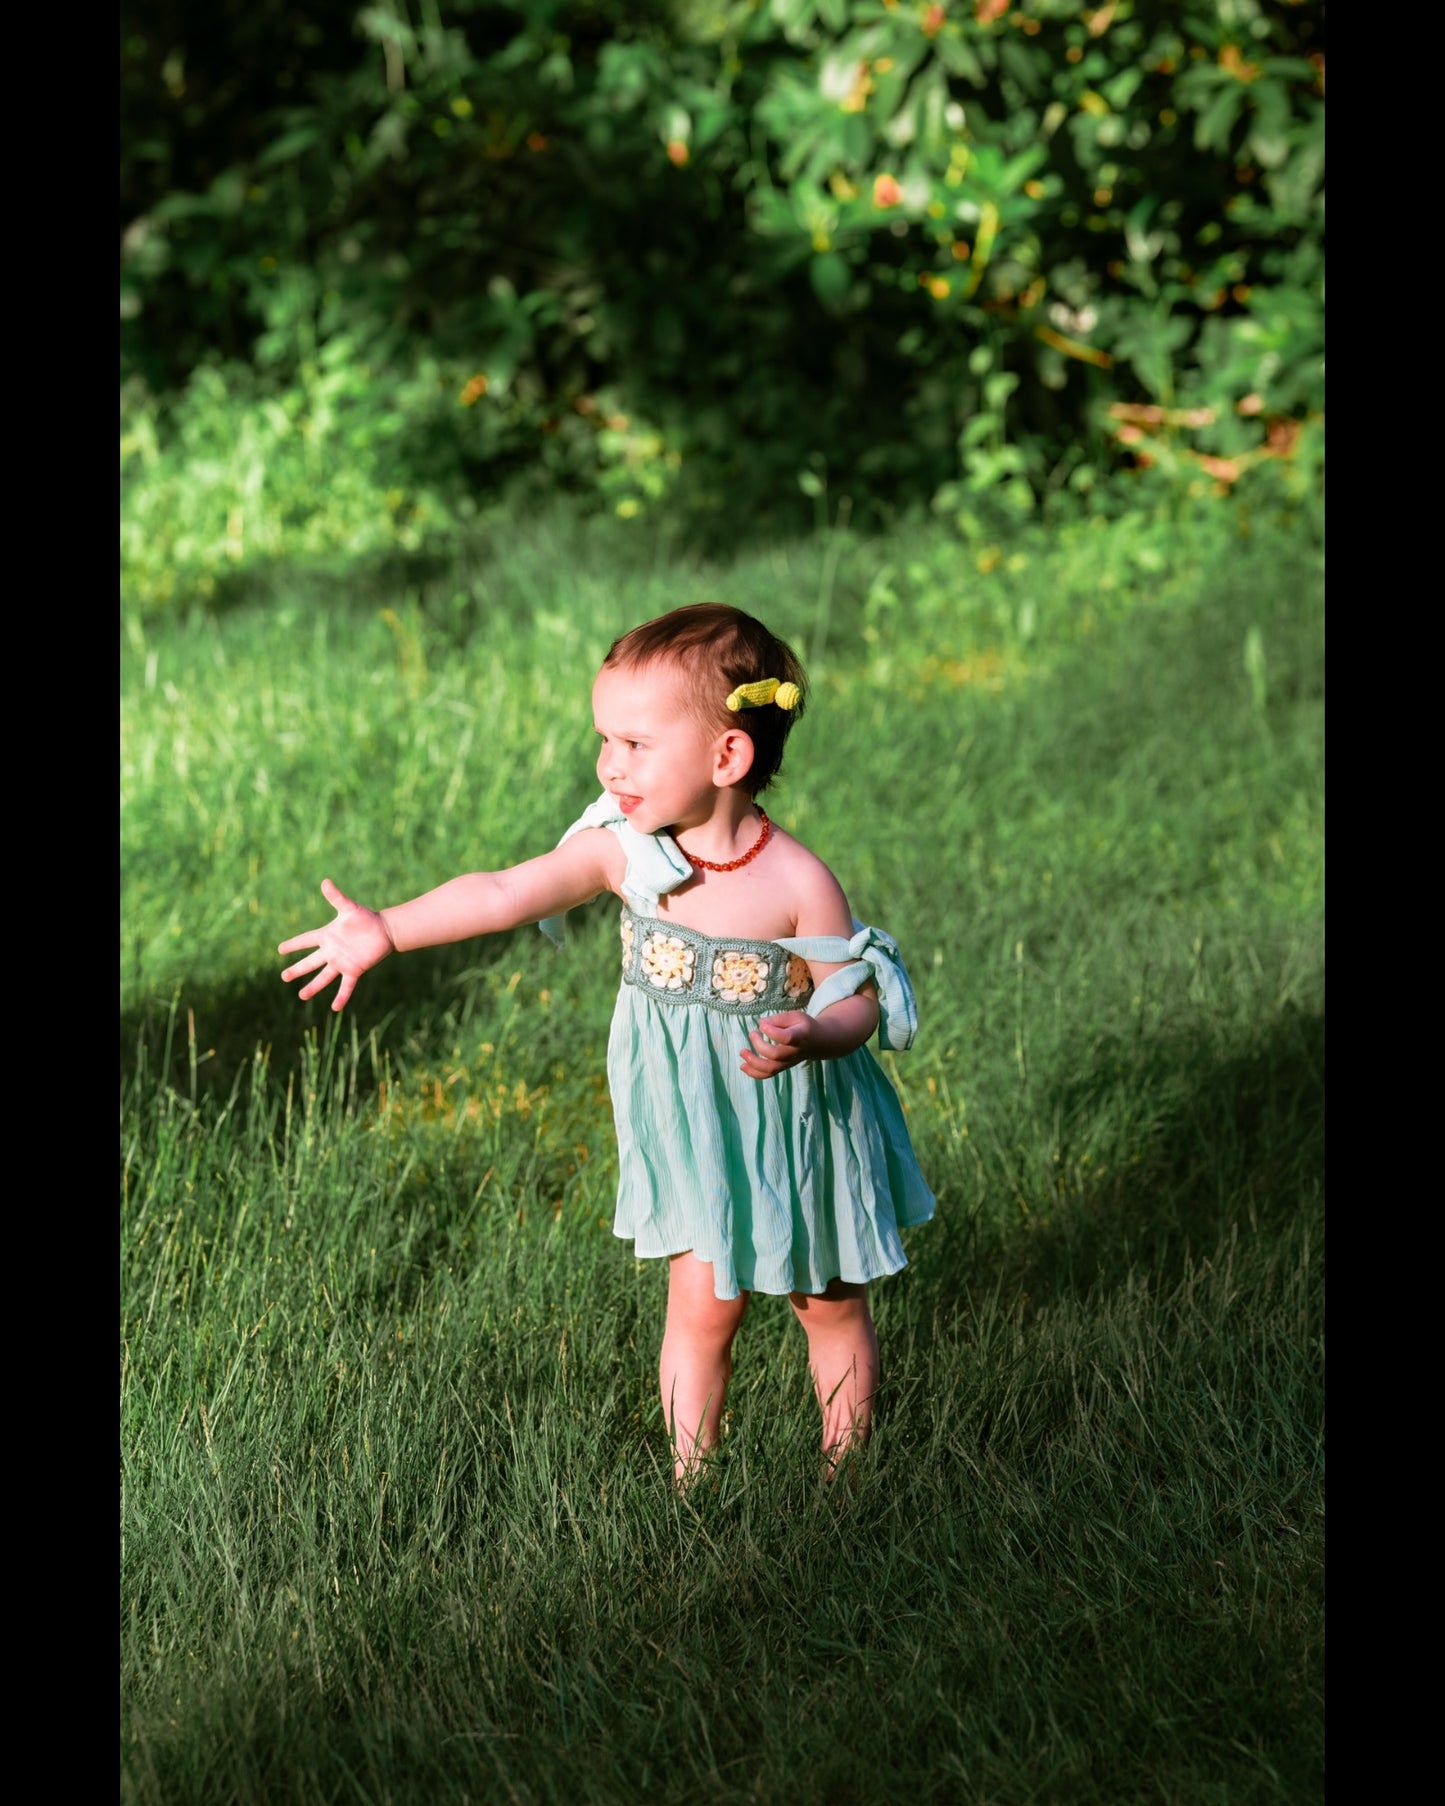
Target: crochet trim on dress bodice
[(738, 977)]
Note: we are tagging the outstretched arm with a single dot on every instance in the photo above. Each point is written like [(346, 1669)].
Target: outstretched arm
[(352, 943), (478, 903)]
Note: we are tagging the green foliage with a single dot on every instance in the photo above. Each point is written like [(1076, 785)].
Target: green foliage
[(232, 476), (952, 252)]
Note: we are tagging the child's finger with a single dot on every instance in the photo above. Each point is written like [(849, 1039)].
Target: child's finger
[(303, 966), (761, 1061), (778, 1028), (298, 941)]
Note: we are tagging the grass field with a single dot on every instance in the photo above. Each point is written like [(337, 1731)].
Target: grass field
[(397, 1524)]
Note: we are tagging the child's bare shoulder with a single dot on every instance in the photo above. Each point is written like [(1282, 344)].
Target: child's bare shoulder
[(817, 898), (601, 851)]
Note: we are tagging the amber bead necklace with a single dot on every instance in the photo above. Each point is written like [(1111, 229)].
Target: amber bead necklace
[(732, 865)]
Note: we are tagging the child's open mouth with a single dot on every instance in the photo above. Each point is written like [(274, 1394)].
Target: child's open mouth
[(628, 803)]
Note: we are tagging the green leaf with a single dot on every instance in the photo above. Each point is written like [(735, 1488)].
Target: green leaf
[(1024, 65), (289, 145), (1255, 668), (830, 277), (1018, 169), (856, 141), (1290, 68), (711, 121), (1212, 128), (180, 205), (959, 59), (997, 389), (1121, 90), (771, 215), (1148, 341), (1294, 187), (794, 17)]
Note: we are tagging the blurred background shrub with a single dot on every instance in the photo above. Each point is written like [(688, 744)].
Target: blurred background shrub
[(773, 262)]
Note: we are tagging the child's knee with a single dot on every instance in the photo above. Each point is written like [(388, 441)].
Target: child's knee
[(693, 1305), (841, 1302)]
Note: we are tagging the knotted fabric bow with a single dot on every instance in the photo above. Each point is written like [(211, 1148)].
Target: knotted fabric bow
[(870, 954), (655, 864)]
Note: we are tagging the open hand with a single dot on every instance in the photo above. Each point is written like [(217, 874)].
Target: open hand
[(778, 1042), (352, 944)]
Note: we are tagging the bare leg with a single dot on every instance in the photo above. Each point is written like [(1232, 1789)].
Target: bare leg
[(697, 1359), (843, 1357)]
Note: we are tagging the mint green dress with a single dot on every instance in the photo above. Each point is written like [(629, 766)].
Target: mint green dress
[(781, 1184)]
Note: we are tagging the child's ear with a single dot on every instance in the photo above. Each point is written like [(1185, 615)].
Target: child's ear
[(734, 758)]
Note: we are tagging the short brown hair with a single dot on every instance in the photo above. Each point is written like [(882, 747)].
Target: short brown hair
[(719, 648)]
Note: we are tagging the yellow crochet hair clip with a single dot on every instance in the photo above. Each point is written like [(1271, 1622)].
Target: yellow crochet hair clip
[(760, 694)]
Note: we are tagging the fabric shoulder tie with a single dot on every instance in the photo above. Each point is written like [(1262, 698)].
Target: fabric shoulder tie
[(655, 866), (870, 954)]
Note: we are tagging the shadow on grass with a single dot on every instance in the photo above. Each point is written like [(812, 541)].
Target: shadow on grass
[(225, 1024), (1222, 1139), (499, 574), (355, 584), (1208, 1135)]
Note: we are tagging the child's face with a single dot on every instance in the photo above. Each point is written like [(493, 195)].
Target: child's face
[(657, 759)]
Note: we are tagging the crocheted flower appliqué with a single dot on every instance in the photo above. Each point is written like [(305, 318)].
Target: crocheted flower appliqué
[(668, 961), (799, 979), (739, 977)]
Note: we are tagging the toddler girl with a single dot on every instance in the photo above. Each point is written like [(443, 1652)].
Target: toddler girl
[(760, 1145)]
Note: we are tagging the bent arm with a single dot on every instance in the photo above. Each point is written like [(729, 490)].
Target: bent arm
[(852, 1020), (781, 1041), (845, 1025)]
